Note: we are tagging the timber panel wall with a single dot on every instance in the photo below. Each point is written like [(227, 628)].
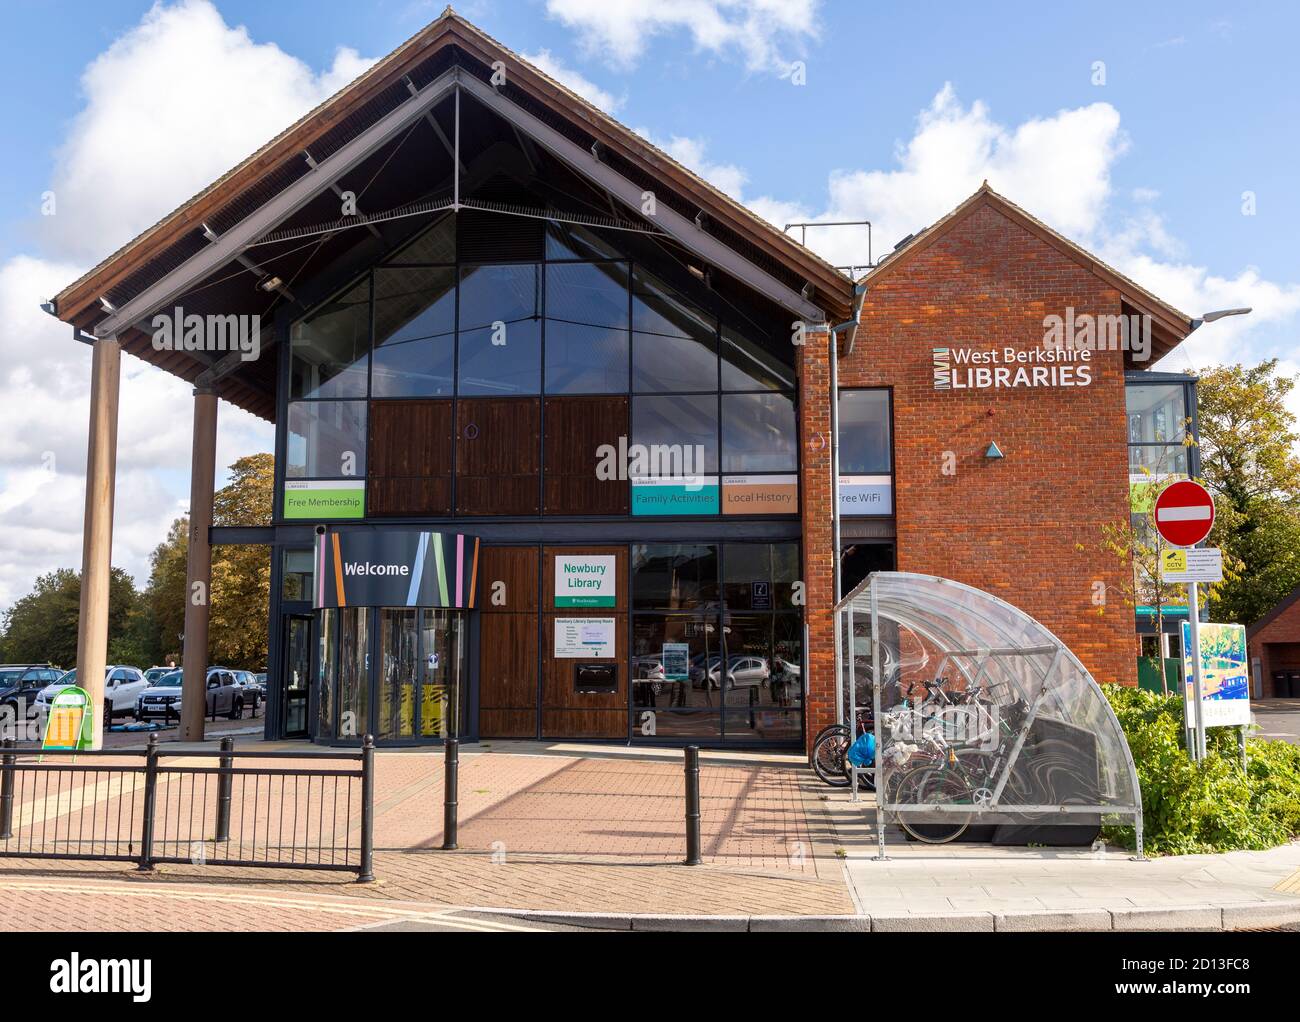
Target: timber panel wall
[(508, 642), (409, 458), (576, 428), (498, 456)]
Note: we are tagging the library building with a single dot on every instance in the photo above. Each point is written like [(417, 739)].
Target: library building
[(570, 445)]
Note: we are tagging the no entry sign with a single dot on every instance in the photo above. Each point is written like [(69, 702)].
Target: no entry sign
[(1184, 513)]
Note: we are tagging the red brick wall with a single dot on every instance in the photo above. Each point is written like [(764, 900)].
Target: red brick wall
[(1277, 645), (1026, 528)]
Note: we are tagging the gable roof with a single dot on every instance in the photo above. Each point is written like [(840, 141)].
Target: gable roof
[(727, 218), (1170, 325), (1283, 605)]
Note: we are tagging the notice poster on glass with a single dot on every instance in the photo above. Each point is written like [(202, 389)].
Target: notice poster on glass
[(1225, 686), (584, 638), (677, 661)]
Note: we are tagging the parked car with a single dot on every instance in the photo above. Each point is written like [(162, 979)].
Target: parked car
[(742, 672), (254, 690), (20, 684), (122, 686), (154, 673), (225, 695)]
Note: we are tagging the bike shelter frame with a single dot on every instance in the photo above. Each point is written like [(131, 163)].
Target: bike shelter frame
[(1021, 663)]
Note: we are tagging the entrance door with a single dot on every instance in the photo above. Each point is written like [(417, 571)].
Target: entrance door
[(398, 663), (297, 674), (442, 673)]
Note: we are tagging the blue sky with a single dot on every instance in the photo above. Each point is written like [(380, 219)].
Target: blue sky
[(123, 110)]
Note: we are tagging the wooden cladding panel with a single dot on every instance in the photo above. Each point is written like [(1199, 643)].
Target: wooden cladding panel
[(584, 723), (508, 661), (507, 723), (516, 568), (557, 672), (498, 456), (576, 428), (410, 458)]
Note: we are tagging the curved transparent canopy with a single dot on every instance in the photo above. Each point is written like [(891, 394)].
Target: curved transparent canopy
[(977, 709)]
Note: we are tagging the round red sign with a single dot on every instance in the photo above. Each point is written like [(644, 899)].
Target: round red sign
[(1184, 513)]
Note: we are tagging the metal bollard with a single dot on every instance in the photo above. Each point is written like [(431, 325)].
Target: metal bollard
[(225, 782), (150, 803), (450, 792), (7, 762), (692, 805), (366, 871)]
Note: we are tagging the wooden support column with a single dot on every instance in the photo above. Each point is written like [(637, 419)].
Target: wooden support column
[(198, 576), (97, 528)]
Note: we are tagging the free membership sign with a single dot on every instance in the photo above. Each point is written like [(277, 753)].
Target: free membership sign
[(585, 581)]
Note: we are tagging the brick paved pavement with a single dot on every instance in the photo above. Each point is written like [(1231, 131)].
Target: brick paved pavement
[(537, 831)]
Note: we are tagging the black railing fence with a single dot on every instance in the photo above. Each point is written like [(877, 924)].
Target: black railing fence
[(215, 807)]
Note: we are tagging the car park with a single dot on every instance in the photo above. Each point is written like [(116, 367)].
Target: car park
[(225, 696), (20, 684), (122, 686)]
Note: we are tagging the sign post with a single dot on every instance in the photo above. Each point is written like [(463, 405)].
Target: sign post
[(71, 721), (1184, 516)]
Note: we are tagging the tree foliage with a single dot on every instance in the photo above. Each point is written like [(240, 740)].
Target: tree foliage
[(1248, 443)]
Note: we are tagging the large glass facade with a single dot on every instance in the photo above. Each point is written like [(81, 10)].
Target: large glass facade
[(701, 373), (717, 642)]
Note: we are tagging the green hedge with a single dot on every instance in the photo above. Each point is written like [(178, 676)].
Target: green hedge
[(1209, 807)]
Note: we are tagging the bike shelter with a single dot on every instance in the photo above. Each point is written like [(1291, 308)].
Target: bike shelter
[(981, 715)]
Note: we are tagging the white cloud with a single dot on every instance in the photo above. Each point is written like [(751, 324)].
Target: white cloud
[(549, 64), (690, 153), (760, 31), (169, 107)]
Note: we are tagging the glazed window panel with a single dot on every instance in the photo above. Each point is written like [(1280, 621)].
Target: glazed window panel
[(330, 348), (585, 359), (297, 572), (415, 315), (1157, 413), (748, 365), (423, 367), (656, 685), (668, 364), (326, 440), (681, 430), (594, 294), (570, 241), (493, 294), (759, 433), (674, 576), (1157, 459), (865, 442), (414, 302), (747, 576), (502, 362), (658, 309)]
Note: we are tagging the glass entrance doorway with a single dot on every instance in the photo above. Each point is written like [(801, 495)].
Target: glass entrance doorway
[(297, 673), (412, 690)]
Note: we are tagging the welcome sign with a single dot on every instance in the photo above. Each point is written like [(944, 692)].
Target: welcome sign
[(395, 569), (583, 580)]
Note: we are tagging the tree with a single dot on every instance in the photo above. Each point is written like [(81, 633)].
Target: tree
[(42, 626), (1248, 444), (241, 575)]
